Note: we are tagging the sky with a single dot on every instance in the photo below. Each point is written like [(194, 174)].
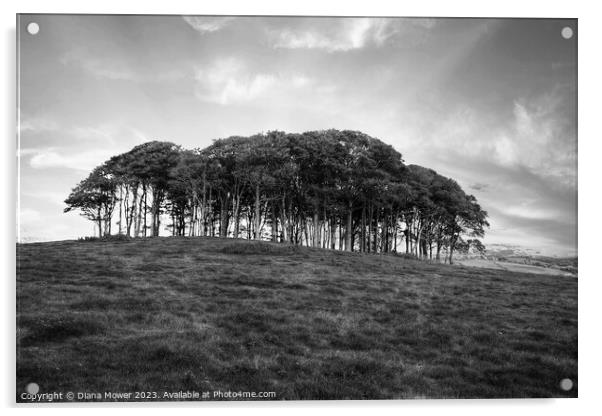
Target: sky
[(488, 102)]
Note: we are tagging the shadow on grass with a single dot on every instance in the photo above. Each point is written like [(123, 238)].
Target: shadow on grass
[(58, 327)]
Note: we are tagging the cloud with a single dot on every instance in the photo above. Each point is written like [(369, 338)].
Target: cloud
[(525, 154), (109, 139), (118, 69), (101, 70), (526, 208), (479, 186), (26, 152), (98, 67), (230, 81), (345, 34), (37, 124), (341, 35), (541, 139), (54, 158), (207, 24), (529, 209), (548, 235), (535, 134)]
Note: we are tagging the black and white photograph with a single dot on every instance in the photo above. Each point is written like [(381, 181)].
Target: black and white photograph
[(295, 208)]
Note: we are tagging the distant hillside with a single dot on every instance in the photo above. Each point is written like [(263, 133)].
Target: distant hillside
[(532, 258), (209, 314), (510, 250), (519, 259)]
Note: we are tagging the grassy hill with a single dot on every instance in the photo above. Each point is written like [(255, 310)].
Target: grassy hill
[(208, 314)]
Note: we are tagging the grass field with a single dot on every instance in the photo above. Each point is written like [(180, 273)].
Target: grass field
[(208, 314)]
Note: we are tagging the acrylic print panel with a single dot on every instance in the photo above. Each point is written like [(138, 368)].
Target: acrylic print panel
[(293, 208)]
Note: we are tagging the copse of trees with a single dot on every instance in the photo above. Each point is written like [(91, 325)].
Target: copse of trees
[(332, 189)]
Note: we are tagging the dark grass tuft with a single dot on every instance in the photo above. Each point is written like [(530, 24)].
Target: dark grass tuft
[(39, 330), (258, 247), (106, 238)]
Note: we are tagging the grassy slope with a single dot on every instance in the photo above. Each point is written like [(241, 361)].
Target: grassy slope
[(209, 314)]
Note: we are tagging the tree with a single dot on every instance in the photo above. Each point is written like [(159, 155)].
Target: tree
[(326, 188), (95, 198)]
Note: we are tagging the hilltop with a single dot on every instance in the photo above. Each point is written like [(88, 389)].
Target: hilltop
[(208, 314)]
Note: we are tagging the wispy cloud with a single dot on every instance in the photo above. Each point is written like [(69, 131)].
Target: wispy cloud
[(108, 139), (544, 234), (230, 81), (540, 139), (207, 24), (37, 124), (59, 158), (479, 186), (342, 35), (536, 135), (520, 162), (118, 69)]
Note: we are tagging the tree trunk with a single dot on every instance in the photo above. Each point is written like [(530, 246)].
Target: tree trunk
[(349, 226), (204, 207), (418, 241), (145, 206), (156, 213), (283, 222), (363, 232), (236, 202), (223, 226), (108, 218), (133, 211), (316, 235), (120, 206), (128, 222), (257, 234), (451, 249), (369, 233), (407, 234), (209, 219), (99, 223), (395, 230), (341, 234), (352, 236), (385, 234), (333, 229), (194, 213), (139, 216), (374, 230), (274, 223)]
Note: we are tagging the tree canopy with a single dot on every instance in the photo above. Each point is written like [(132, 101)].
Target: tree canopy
[(331, 189)]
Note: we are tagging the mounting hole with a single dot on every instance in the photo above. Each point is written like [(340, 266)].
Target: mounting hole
[(567, 32), (33, 28), (566, 384), (32, 388)]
